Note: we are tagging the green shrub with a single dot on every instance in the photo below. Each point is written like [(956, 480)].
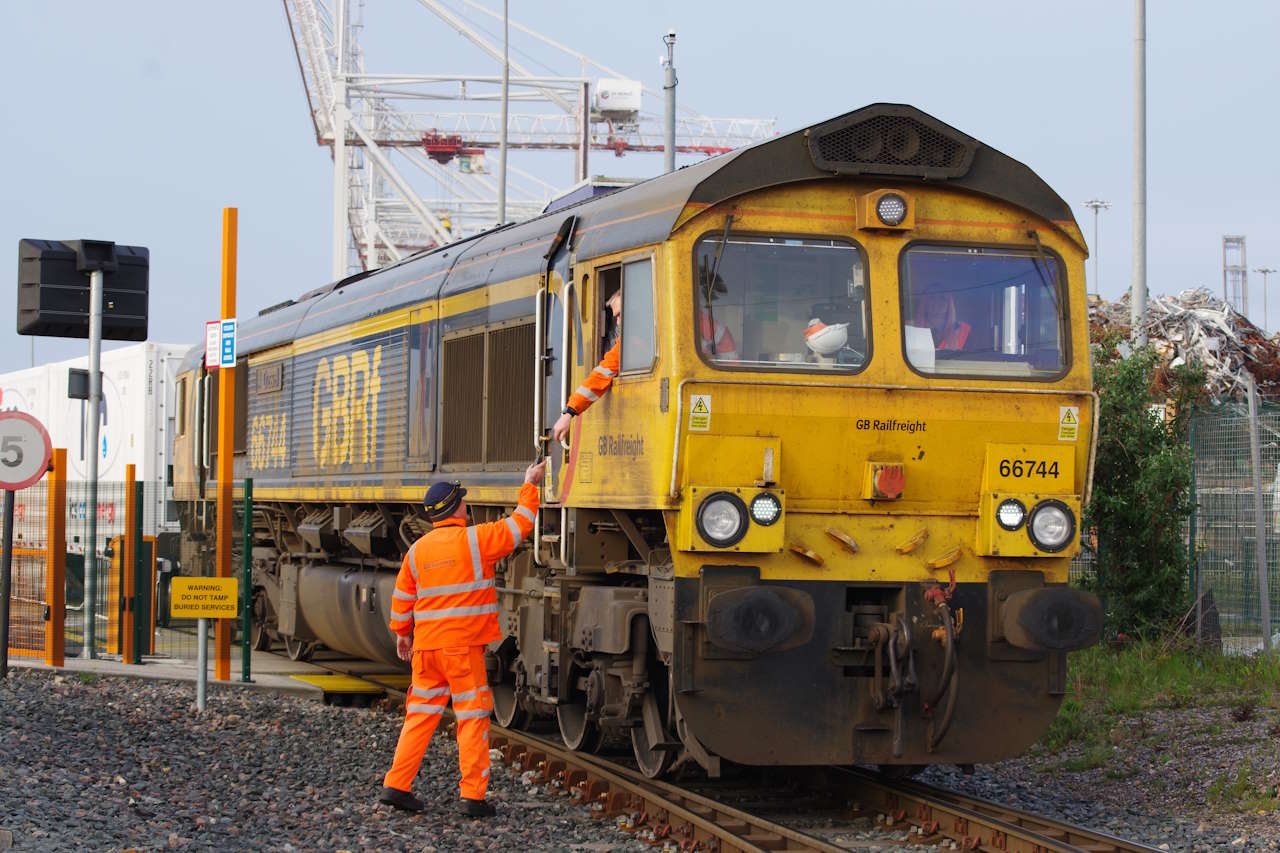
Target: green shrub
[(1142, 496)]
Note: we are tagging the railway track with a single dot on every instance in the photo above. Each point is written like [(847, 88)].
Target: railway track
[(675, 817)]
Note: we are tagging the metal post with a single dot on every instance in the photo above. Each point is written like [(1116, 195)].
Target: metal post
[(227, 405), (1138, 294), (1260, 519), (202, 660), (502, 131), (6, 581), (1097, 205), (339, 121), (95, 406), (246, 586), (1194, 547), (584, 133), (1266, 271), (669, 90)]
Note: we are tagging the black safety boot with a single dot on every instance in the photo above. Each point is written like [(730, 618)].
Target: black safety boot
[(478, 808), (402, 800)]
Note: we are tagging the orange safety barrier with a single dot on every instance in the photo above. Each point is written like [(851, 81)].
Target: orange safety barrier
[(55, 575), (151, 635), (126, 577)]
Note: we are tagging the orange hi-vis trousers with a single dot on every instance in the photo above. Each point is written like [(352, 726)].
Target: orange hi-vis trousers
[(437, 675)]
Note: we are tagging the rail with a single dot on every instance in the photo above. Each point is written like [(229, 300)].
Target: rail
[(972, 823), (663, 812)]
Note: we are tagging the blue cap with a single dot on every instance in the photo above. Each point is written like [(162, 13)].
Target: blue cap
[(442, 499)]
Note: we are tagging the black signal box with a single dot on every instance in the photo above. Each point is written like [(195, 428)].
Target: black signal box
[(53, 288)]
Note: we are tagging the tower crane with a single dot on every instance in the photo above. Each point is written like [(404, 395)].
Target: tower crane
[(408, 175)]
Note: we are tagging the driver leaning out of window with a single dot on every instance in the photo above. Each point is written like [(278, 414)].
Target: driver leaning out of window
[(599, 380), (936, 310)]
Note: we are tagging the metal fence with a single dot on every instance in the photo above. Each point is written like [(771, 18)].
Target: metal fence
[(130, 608), (1225, 527), (27, 590), (176, 638)]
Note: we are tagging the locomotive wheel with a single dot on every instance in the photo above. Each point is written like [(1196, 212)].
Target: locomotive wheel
[(299, 650), (260, 638), (506, 710), (579, 733), (653, 760)]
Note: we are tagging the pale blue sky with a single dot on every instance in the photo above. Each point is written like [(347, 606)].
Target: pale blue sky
[(138, 121)]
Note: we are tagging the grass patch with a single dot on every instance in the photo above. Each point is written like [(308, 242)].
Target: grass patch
[(87, 677), (1098, 755), (1242, 793), (1105, 685)]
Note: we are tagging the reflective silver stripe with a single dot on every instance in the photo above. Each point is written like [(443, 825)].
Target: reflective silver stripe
[(450, 612), (720, 330), (484, 774), (604, 371), (428, 694), (728, 355), (402, 617), (477, 714), (402, 596), (517, 535), (588, 393), (473, 539), (470, 694), (451, 589), (527, 513), (419, 708), (413, 566)]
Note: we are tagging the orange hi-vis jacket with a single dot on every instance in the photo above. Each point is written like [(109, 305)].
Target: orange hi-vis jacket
[(717, 345), (598, 380), (445, 592)]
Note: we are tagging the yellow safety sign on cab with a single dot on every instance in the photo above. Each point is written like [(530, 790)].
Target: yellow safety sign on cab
[(203, 598), (1068, 423)]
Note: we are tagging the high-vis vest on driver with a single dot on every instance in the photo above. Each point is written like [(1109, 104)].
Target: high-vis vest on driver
[(445, 592), (598, 381)]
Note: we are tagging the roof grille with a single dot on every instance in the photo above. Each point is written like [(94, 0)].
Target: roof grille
[(890, 144)]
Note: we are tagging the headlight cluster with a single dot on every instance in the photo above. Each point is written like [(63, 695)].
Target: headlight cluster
[(1050, 525), (723, 519)]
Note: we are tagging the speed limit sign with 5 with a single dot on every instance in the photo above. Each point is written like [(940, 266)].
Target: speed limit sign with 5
[(25, 451)]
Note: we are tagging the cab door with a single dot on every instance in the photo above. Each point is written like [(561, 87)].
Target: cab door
[(558, 336)]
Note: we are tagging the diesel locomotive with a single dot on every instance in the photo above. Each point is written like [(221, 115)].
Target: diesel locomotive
[(826, 511)]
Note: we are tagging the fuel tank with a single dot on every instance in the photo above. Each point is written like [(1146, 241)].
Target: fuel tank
[(348, 608)]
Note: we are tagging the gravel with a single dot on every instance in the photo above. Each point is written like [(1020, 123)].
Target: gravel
[(119, 763), (1186, 779)]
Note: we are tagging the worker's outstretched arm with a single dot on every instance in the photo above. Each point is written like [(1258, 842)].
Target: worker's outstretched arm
[(497, 539)]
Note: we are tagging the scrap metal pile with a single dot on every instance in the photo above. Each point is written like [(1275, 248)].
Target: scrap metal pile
[(1196, 326)]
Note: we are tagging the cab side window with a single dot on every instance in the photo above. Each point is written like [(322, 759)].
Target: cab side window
[(637, 315)]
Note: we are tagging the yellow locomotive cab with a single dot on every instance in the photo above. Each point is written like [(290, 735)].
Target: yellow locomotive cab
[(836, 482)]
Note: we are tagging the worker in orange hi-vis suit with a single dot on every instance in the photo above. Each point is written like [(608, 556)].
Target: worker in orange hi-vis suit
[(444, 612), (598, 381)]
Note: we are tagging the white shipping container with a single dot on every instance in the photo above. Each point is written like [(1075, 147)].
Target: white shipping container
[(135, 423)]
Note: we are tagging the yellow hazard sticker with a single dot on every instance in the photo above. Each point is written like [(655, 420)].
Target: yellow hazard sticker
[(700, 413), (1068, 423)]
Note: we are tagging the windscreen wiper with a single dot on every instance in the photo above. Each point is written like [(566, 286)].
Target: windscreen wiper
[(710, 283)]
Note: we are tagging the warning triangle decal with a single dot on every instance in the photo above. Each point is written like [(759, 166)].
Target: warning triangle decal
[(700, 407)]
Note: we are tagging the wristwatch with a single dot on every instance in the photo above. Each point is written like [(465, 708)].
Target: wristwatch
[(567, 410)]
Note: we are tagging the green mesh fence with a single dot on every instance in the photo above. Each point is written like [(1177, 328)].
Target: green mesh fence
[(1226, 528)]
